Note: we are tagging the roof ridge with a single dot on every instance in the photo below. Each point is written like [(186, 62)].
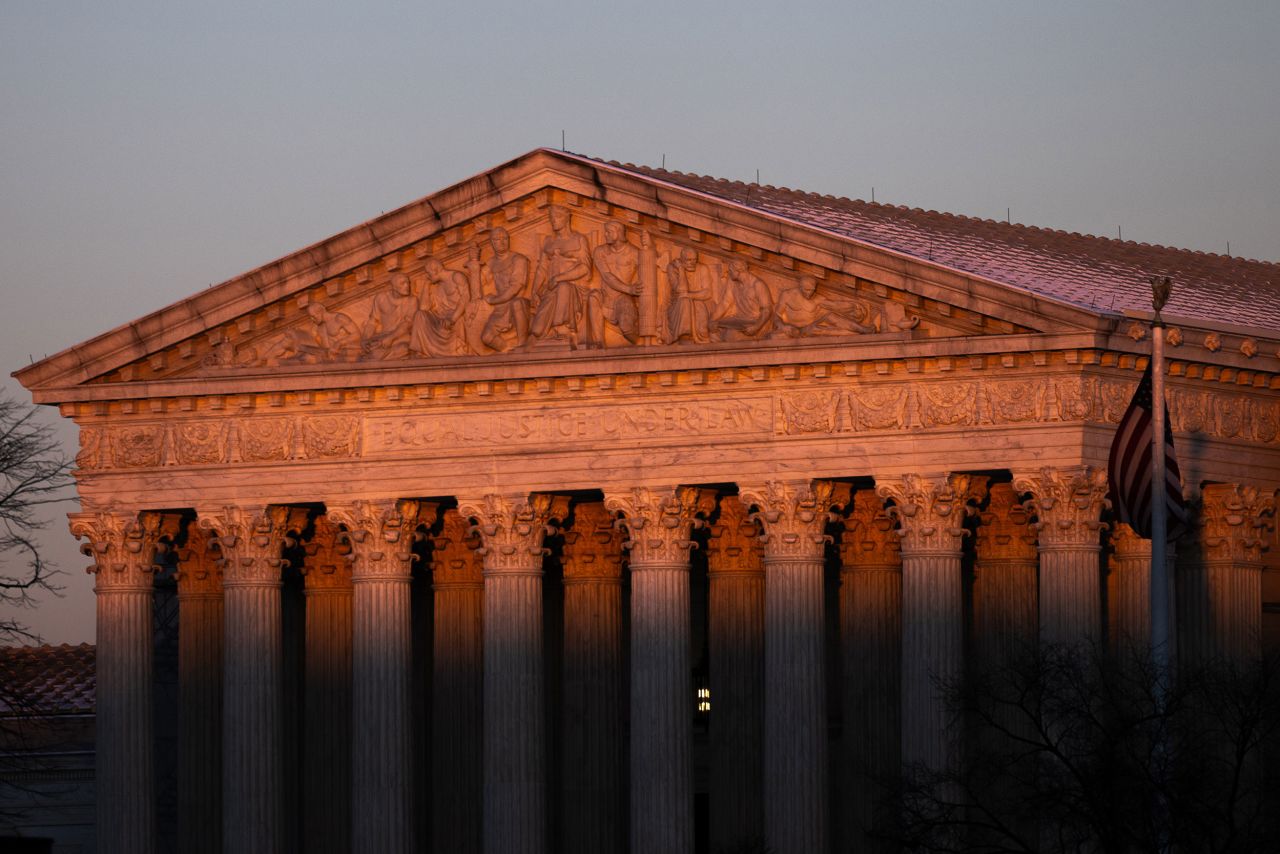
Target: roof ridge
[(947, 214)]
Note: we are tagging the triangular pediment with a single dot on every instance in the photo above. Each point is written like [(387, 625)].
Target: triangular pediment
[(538, 258)]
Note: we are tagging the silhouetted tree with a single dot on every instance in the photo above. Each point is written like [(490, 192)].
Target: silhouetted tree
[(1072, 750)]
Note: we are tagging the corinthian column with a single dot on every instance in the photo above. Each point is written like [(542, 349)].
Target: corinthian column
[(511, 531), (326, 825), (594, 821), (199, 693), (871, 647), (1220, 576), (659, 523), (381, 536), (930, 511), (1068, 504), (1129, 590), (736, 646), (457, 690), (1004, 586), (251, 539), (123, 546), (794, 516)]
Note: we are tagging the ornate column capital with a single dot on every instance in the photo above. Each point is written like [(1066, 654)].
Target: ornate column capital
[(327, 566), (455, 554), (199, 564), (1068, 503), (870, 540), (659, 522), (1127, 544), (512, 528), (250, 539), (930, 509), (1231, 524), (1006, 532), (381, 535), (734, 547), (794, 515), (122, 545), (592, 547)]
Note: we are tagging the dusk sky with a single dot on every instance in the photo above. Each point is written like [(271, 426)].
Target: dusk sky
[(152, 149)]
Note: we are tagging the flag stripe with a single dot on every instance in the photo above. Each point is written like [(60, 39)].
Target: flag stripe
[(1129, 466)]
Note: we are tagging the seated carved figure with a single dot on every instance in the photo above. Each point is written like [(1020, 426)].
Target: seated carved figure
[(560, 281), (437, 330), (747, 307), (689, 315), (618, 263), (801, 311), (503, 282), (388, 332)]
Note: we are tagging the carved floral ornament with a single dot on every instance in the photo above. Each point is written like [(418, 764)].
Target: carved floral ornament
[(566, 280), (122, 545), (870, 539), (1006, 531), (794, 515), (931, 510), (593, 546), (251, 540), (660, 522), (1233, 524), (1068, 504), (734, 545), (512, 528), (381, 535), (455, 556)]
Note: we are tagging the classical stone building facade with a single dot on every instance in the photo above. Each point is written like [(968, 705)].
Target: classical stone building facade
[(590, 507)]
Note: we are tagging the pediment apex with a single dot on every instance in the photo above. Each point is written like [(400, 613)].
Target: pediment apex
[(267, 317)]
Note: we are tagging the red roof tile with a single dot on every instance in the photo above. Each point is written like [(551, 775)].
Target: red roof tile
[(47, 679), (1092, 272)]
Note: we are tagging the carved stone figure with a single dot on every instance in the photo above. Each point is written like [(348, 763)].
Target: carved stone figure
[(692, 288), (331, 337), (800, 311), (560, 282), (746, 308), (507, 279), (619, 263), (389, 330), (437, 327)]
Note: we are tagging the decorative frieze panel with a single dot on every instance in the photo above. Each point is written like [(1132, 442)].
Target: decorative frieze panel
[(848, 406)]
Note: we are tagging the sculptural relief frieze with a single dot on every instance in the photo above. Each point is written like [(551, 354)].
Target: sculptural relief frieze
[(569, 280), (849, 407)]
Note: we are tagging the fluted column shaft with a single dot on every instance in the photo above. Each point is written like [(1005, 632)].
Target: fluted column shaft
[(1129, 590), (515, 768), (327, 718), (871, 649), (381, 535), (1219, 599), (794, 516), (930, 511), (200, 621), (1005, 607), (594, 821), (659, 523), (457, 690), (251, 540), (123, 547), (1068, 504), (736, 647)]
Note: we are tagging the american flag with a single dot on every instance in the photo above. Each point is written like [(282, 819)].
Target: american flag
[(1129, 467)]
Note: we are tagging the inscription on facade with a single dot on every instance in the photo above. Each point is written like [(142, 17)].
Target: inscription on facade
[(390, 434)]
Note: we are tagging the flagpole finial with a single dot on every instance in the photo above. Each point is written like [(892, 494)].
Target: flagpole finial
[(1161, 286)]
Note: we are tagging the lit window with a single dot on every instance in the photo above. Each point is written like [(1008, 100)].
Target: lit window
[(704, 699)]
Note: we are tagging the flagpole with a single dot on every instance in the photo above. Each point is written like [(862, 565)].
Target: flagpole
[(1161, 634)]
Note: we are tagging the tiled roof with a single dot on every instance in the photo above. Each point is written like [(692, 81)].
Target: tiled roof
[(47, 679), (1092, 272)]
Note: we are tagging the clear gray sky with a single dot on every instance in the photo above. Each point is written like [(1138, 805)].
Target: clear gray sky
[(150, 149)]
